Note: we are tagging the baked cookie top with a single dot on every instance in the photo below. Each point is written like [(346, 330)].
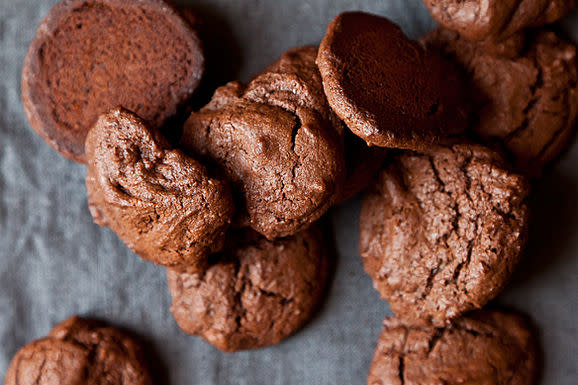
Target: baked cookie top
[(389, 90), (256, 293), (276, 142), (361, 161), (486, 347), (496, 20), (89, 56), (442, 230), (80, 352), (163, 204), (526, 95)]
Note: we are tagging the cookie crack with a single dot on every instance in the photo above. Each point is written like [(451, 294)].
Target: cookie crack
[(40, 372), (439, 334), (296, 127), (530, 107), (462, 265), (513, 11), (238, 300), (430, 280), (561, 129), (401, 370), (472, 332), (282, 300)]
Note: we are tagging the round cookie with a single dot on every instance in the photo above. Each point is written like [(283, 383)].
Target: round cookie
[(278, 145), (442, 231), (89, 56), (80, 352), (486, 347), (161, 203), (255, 294), (389, 90), (496, 20), (527, 100)]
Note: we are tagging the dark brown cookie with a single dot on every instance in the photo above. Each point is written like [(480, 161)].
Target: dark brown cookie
[(256, 294), (484, 348), (161, 203), (389, 90), (442, 230), (277, 143), (362, 161), (80, 352), (496, 20), (89, 56), (528, 101), (300, 62)]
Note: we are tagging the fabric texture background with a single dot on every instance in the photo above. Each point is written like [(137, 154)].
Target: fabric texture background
[(54, 262)]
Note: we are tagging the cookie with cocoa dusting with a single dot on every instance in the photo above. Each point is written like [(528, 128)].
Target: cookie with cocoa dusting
[(389, 90), (91, 56)]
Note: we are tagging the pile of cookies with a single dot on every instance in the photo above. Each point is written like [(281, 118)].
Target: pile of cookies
[(444, 226), (446, 131)]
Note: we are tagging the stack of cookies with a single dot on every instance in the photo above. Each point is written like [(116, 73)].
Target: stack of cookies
[(446, 132)]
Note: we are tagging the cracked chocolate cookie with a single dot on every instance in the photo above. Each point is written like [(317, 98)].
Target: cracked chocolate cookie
[(496, 20), (527, 102), (389, 90), (89, 56), (255, 294), (484, 348), (299, 62), (361, 161), (442, 230), (163, 204), (80, 352), (276, 141)]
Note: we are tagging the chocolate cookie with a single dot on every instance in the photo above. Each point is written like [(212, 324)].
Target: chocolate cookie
[(361, 161), (527, 101), (442, 230), (300, 62), (257, 292), (89, 56), (485, 348), (496, 20), (80, 352), (389, 90), (277, 143), (161, 203)]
